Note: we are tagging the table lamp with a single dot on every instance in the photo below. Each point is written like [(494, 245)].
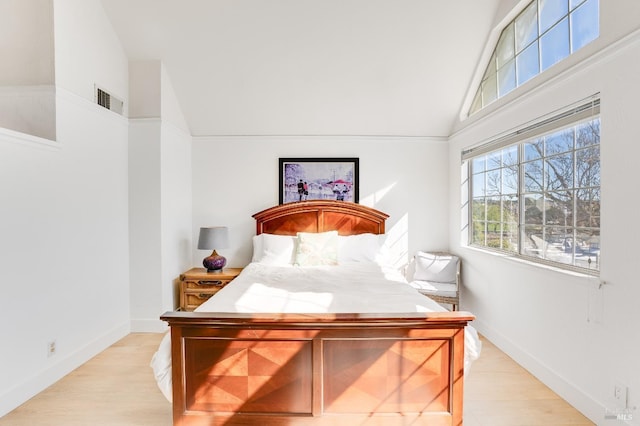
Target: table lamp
[(213, 238)]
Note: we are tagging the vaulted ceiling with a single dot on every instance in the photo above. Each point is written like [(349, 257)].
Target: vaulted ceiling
[(311, 67)]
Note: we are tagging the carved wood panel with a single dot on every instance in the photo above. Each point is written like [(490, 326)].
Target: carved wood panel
[(248, 376), (319, 216), (385, 376)]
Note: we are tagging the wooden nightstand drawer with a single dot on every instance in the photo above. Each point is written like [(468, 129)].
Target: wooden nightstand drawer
[(193, 300), (205, 284), (197, 285)]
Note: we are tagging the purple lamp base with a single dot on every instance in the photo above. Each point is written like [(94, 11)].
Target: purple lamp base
[(214, 262)]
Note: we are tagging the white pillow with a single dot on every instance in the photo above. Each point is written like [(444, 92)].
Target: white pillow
[(271, 249), (358, 248), (438, 268), (317, 248), (258, 251), (383, 257)]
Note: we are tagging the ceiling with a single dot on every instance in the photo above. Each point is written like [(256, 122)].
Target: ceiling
[(311, 67)]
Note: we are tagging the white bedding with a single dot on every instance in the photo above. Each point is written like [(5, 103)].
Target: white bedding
[(354, 287), (363, 287)]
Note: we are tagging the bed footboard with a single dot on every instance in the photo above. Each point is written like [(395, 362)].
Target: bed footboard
[(326, 369)]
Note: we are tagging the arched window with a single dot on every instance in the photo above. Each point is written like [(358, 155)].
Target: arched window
[(544, 33)]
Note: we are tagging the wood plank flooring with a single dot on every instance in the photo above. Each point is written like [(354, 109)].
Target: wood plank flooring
[(499, 392), (117, 388)]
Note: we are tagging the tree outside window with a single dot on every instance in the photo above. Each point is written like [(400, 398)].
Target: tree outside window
[(541, 198)]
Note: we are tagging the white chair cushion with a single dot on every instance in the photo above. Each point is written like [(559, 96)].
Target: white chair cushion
[(436, 268), (439, 289)]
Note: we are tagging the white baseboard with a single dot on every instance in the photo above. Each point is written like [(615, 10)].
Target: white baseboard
[(148, 326), (591, 408), (41, 380)]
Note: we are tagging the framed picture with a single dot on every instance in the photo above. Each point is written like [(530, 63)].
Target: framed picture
[(318, 179)]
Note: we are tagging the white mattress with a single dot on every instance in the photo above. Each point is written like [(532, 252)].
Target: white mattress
[(348, 288)]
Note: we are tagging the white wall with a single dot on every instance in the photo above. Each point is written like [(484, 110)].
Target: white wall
[(27, 92), (577, 338), (26, 43), (29, 109), (235, 177), (160, 195), (176, 246), (64, 255), (145, 221), (88, 52), (144, 89), (64, 249), (170, 105)]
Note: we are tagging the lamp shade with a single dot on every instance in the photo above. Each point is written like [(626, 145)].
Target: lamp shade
[(216, 237), (213, 238)]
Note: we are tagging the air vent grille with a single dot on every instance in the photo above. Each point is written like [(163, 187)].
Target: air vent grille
[(108, 101)]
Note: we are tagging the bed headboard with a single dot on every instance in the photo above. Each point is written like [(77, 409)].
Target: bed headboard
[(320, 216)]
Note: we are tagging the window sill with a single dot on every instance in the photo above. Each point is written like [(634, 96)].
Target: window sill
[(527, 261)]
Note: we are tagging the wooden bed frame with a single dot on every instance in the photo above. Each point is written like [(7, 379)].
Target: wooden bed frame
[(318, 369)]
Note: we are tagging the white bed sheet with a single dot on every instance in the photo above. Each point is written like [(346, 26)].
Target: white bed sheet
[(348, 288), (354, 287)]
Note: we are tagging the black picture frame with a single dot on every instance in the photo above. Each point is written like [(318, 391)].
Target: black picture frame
[(326, 179)]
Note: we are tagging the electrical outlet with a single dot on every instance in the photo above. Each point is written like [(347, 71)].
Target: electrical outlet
[(51, 348)]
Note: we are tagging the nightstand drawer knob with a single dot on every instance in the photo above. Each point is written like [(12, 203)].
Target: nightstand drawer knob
[(215, 282), (204, 295)]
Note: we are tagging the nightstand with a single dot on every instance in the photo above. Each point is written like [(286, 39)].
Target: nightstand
[(197, 285)]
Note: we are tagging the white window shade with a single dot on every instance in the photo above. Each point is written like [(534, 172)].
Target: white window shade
[(582, 110)]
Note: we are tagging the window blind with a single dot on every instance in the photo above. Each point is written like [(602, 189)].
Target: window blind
[(574, 113)]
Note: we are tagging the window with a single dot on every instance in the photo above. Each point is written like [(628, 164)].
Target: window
[(544, 33), (539, 198)]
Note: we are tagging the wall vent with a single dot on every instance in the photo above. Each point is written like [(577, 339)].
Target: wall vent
[(110, 102)]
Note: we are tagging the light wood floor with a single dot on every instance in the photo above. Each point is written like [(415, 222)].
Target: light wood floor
[(498, 392), (117, 388)]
